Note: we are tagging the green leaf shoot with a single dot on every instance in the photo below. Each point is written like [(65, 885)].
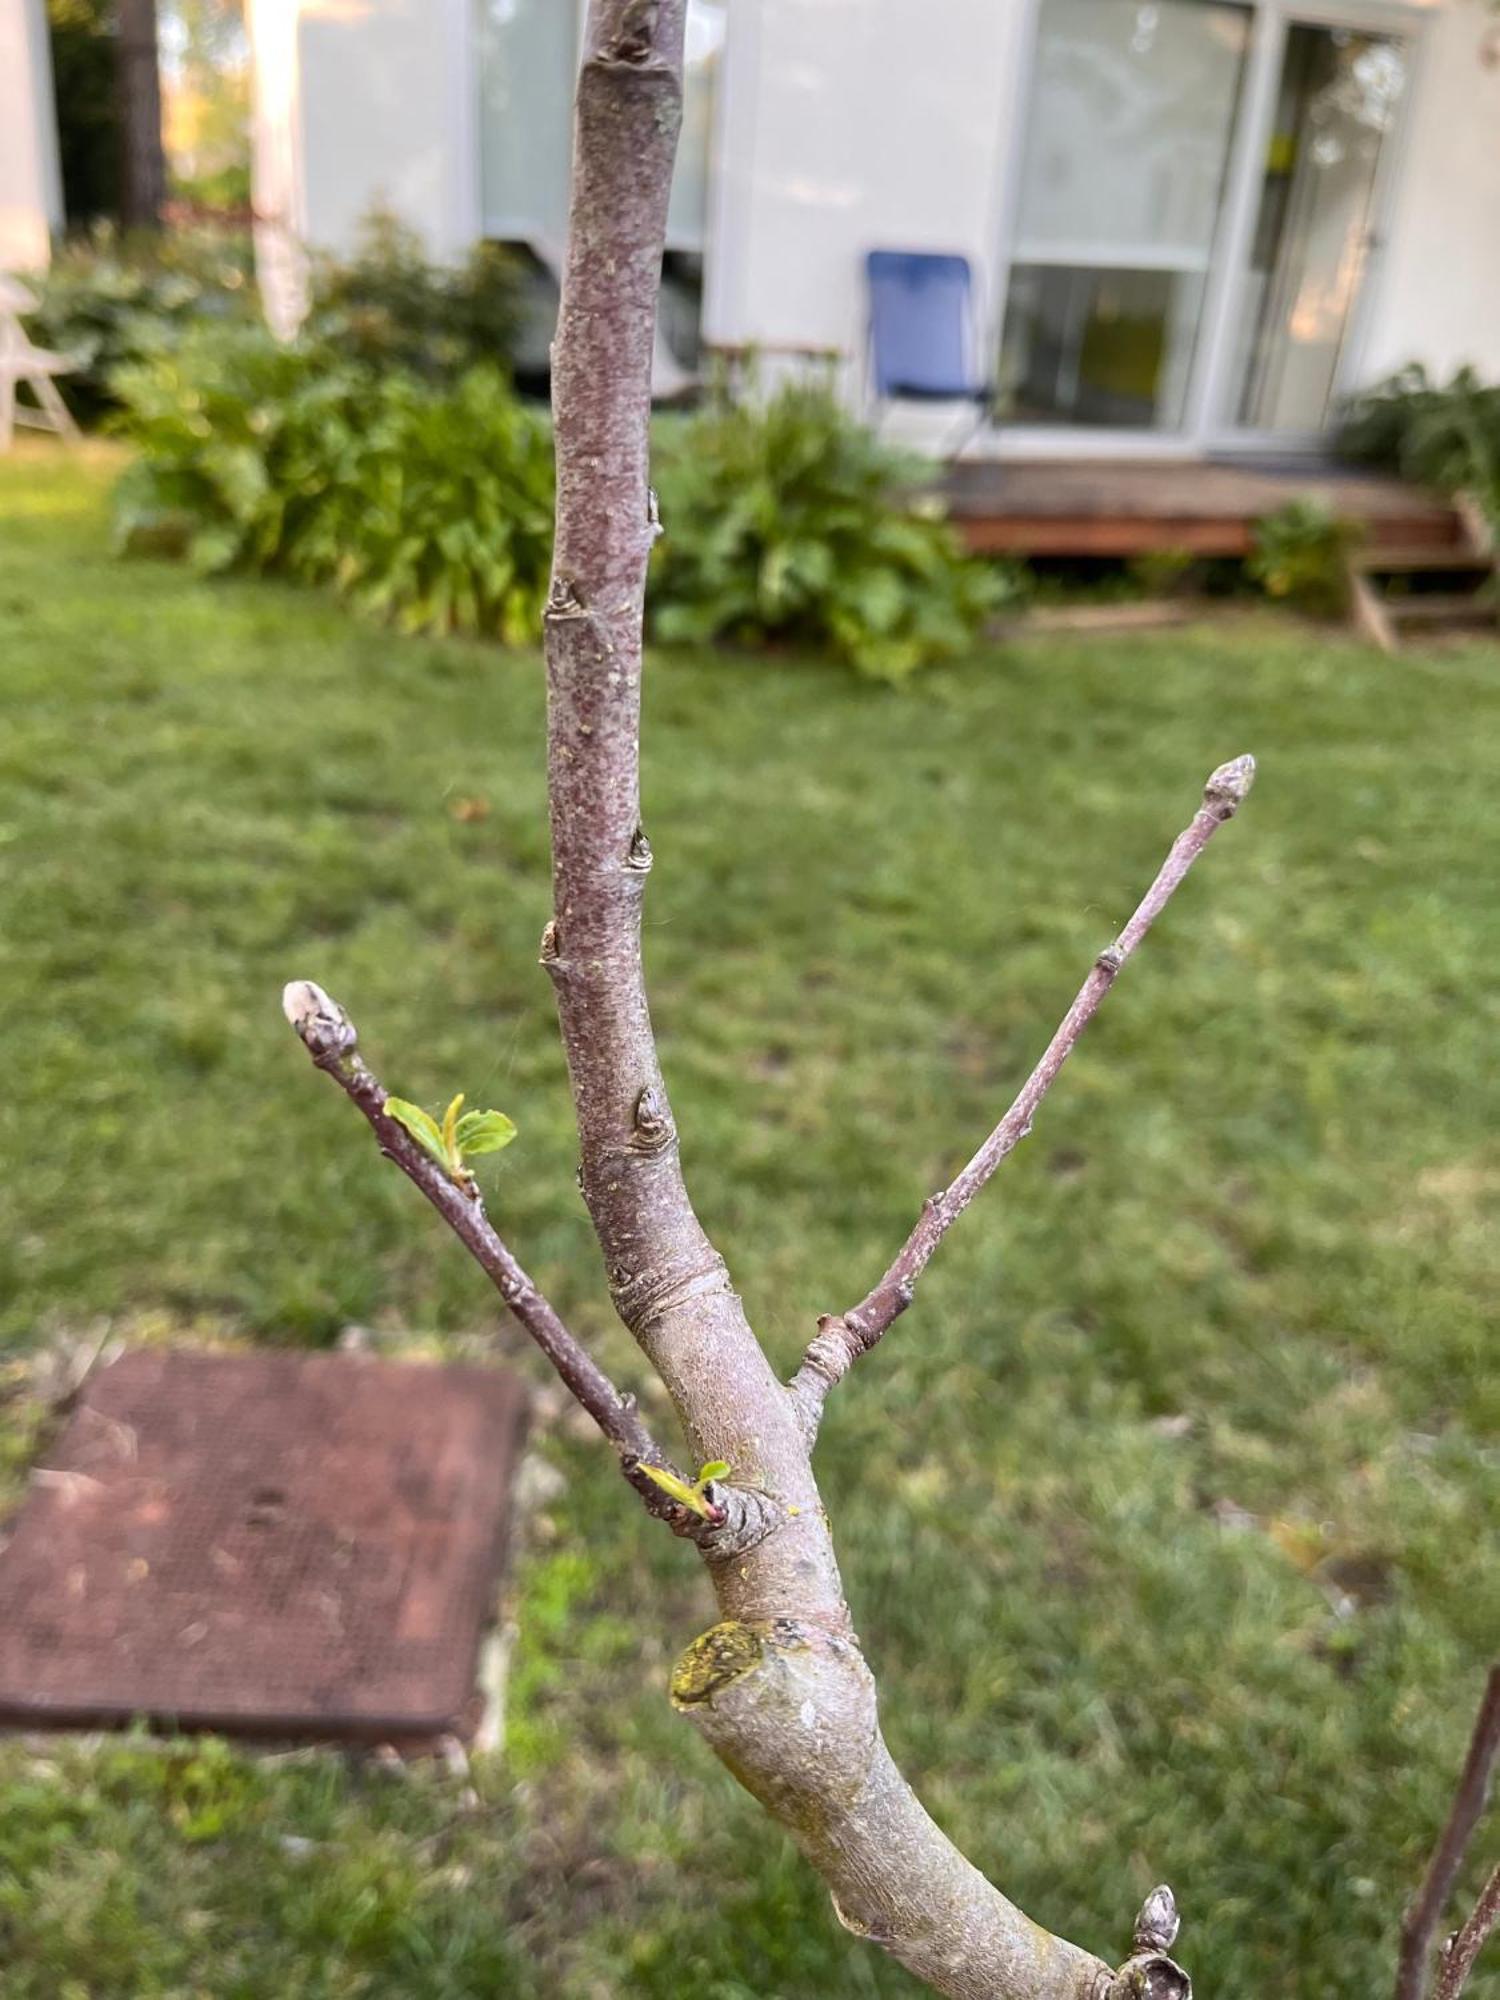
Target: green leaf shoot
[(484, 1132), (421, 1125)]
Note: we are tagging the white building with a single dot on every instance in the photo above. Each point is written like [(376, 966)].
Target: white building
[(1192, 224), (30, 178)]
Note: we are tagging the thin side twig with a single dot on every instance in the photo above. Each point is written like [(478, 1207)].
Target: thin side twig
[(1419, 1927), (1465, 1946), (330, 1038), (843, 1337)]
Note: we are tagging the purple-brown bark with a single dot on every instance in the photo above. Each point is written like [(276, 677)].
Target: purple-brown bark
[(1468, 1941), (1470, 1796), (778, 1687)]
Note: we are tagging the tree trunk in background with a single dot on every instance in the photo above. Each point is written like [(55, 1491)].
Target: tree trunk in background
[(143, 178)]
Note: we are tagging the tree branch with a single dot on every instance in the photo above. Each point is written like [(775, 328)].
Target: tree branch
[(669, 1283), (778, 1688), (330, 1038), (1466, 1944), (1419, 1926), (843, 1337)]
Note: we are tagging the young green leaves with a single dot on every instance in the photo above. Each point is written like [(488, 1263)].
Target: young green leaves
[(694, 1495), (458, 1139)]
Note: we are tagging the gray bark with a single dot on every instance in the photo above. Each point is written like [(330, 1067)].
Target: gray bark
[(779, 1688)]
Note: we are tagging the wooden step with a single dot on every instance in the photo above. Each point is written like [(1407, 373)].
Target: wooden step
[(1457, 556), (1441, 607)]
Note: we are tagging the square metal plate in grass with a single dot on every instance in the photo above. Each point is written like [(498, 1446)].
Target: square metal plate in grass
[(297, 1546)]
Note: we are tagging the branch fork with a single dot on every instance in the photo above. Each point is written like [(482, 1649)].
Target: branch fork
[(735, 1519)]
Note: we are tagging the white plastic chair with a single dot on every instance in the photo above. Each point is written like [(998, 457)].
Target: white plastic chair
[(36, 367)]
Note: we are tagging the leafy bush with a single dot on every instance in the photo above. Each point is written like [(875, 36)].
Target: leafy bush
[(426, 505), (109, 300), (387, 306), (1445, 436), (790, 521), (431, 505), (1301, 555)]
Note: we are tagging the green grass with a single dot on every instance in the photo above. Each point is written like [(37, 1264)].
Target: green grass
[(1245, 1267)]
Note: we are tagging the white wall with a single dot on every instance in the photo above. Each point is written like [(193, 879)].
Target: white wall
[(276, 161), (30, 180), (854, 125), (1436, 295), (844, 125), (361, 103)]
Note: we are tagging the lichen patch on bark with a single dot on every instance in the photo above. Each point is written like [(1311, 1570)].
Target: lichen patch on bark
[(716, 1658)]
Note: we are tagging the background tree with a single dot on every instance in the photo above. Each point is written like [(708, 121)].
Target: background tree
[(143, 181)]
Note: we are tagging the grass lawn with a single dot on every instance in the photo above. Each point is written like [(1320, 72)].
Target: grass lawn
[(1169, 1513)]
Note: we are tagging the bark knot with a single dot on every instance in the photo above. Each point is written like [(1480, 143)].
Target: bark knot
[(652, 1123), (639, 856), (634, 44), (563, 600), (1150, 1975)]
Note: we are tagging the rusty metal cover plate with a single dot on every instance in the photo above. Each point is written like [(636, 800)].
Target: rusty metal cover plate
[(288, 1545)]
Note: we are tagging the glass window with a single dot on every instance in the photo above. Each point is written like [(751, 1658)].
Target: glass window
[(528, 66), (703, 55), (1338, 99), (1127, 146), (528, 57)]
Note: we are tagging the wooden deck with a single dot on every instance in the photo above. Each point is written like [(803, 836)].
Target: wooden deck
[(1113, 507)]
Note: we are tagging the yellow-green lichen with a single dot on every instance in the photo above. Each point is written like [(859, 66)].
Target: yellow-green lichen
[(717, 1657)]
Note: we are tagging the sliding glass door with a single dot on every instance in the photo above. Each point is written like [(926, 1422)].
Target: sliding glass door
[(1132, 117), (1338, 94), (1200, 185)]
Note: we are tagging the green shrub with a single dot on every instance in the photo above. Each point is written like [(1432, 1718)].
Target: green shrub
[(1301, 555), (436, 511), (109, 300), (1163, 572), (789, 521), (389, 307), (425, 505), (431, 505), (228, 424), (1447, 436)]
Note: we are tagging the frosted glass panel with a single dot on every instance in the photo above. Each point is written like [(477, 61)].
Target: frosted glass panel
[(528, 59), (1132, 111), (1338, 100), (528, 65), (687, 217)]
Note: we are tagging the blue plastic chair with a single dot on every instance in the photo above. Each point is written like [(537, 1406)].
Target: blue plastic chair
[(922, 334)]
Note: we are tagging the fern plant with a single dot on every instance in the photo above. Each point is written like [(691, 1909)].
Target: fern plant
[(1447, 436), (788, 521), (427, 506)]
